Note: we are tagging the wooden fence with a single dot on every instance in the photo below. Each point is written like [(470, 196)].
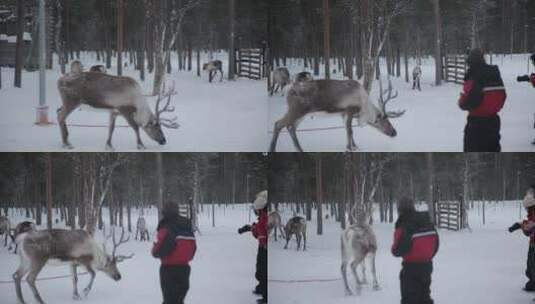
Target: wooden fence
[(449, 215), (250, 63), (454, 68)]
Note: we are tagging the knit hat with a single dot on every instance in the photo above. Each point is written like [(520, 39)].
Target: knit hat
[(405, 205), (261, 200), (529, 199), (476, 57)]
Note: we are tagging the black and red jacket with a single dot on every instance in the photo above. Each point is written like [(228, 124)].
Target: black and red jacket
[(175, 242), (483, 91), (415, 238), (532, 79), (259, 229), (527, 225)]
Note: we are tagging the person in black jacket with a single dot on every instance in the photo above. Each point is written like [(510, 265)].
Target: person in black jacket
[(483, 97), (175, 246), (416, 241)]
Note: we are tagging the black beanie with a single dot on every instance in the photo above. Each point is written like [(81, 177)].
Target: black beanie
[(476, 57)]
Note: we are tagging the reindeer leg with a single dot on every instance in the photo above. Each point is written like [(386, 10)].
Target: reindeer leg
[(17, 277), (75, 294), (63, 112), (304, 241), (343, 270), (32, 276), (283, 122), (287, 241), (298, 240), (221, 78), (353, 266), (351, 146), (113, 117), (372, 261), (90, 285), (363, 270), (292, 129), (134, 126)]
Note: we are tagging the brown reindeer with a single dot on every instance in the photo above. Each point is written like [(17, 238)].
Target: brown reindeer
[(5, 230), (347, 97), (298, 226), (76, 247), (275, 223), (141, 229), (280, 79), (121, 95), (98, 68), (358, 242), (303, 76), (213, 67)]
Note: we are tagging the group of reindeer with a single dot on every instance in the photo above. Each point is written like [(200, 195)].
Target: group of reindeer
[(74, 247), (358, 244)]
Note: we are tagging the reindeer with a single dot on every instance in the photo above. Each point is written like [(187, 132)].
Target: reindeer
[(416, 75), (121, 95), (141, 228), (280, 78), (98, 69), (303, 76), (21, 228), (213, 67), (76, 247), (5, 229), (275, 223), (298, 226), (358, 242), (335, 96)]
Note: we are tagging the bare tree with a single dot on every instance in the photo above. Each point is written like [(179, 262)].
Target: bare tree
[(431, 185), (438, 42)]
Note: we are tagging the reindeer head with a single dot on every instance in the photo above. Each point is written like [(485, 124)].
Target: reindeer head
[(76, 67), (381, 118), (154, 127), (110, 265)]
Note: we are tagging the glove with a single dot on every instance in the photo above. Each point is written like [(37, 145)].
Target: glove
[(244, 229), (514, 227)]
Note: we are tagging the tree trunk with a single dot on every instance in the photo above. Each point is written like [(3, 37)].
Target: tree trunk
[(326, 41), (438, 31), (120, 36), (48, 170), (319, 194), (20, 43), (431, 185)]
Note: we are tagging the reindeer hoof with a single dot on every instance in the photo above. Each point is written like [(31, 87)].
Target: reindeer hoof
[(141, 147), (348, 293), (68, 146), (76, 297), (86, 292), (109, 148), (376, 287)]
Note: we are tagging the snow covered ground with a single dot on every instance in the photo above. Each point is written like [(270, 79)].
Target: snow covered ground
[(215, 117), (483, 266), (222, 270), (433, 122)]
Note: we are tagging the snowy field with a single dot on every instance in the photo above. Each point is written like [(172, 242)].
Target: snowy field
[(219, 116), (221, 272), (483, 266), (433, 121)]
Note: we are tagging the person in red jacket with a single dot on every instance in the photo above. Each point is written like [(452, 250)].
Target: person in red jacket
[(528, 227), (416, 241), (259, 231), (530, 79), (483, 97), (175, 246)]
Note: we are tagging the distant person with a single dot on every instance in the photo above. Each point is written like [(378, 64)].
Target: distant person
[(416, 241), (483, 96), (531, 79), (175, 246), (259, 230), (416, 76), (527, 227)]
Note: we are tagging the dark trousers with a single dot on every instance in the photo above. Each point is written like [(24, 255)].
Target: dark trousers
[(261, 271), (482, 134), (174, 281), (415, 283), (530, 269)]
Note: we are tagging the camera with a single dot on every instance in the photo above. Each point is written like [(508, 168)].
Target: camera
[(524, 78), (514, 227)]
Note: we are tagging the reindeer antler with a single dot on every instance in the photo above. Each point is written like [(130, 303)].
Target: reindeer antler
[(116, 244), (389, 97), (166, 122)]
